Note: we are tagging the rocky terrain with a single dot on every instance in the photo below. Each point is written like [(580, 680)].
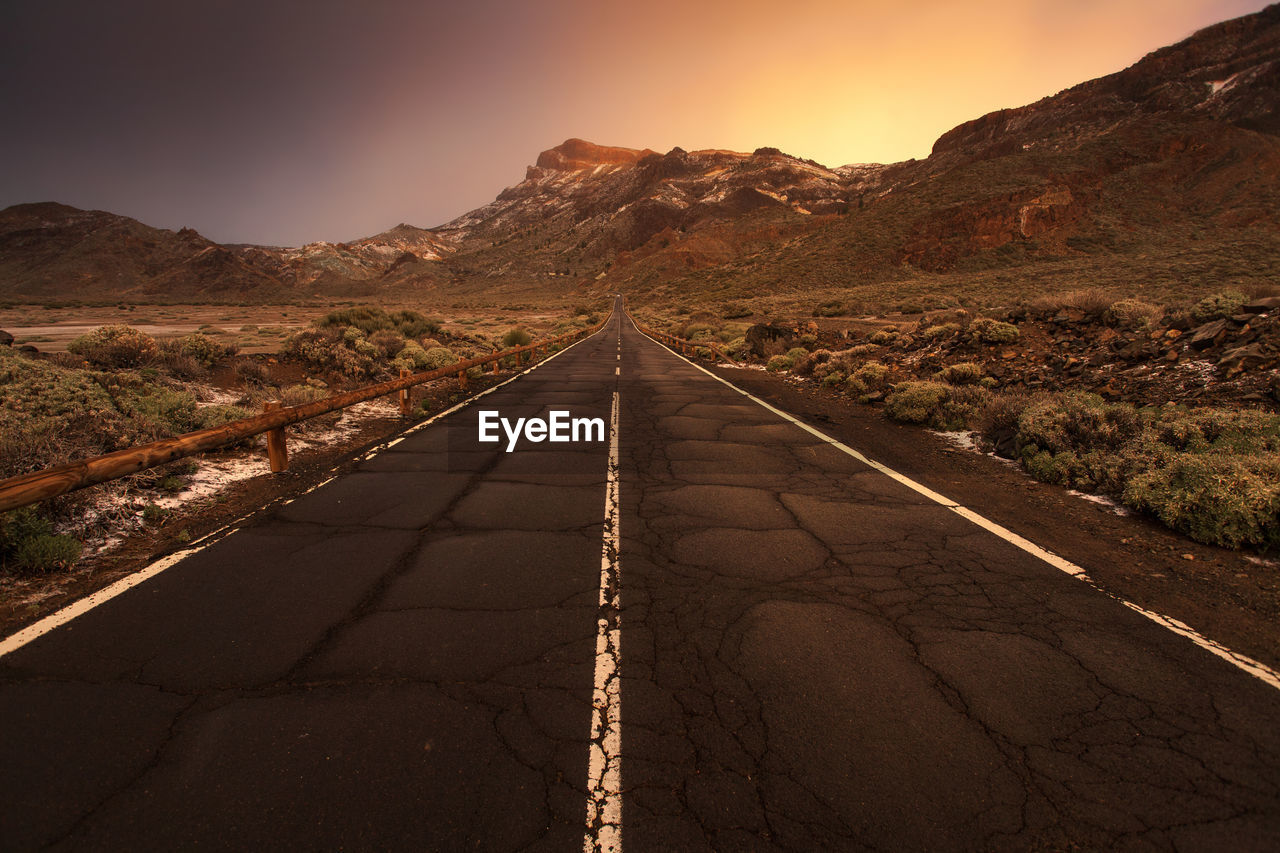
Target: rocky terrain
[(1126, 350)]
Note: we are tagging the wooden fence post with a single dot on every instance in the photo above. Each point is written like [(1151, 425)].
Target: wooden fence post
[(277, 451), (462, 379), (496, 362), (404, 395)]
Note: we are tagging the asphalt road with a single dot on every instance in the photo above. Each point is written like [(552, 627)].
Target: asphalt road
[(730, 635)]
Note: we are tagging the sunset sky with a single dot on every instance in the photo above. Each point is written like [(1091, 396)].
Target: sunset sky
[(283, 123)]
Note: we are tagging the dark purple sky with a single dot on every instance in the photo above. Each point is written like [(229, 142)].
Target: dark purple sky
[(283, 123)]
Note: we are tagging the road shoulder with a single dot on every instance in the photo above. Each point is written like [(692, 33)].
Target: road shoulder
[(1219, 593)]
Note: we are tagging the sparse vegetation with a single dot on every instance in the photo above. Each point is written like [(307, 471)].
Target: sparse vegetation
[(517, 337), (990, 331), (963, 373), (29, 545), (370, 319), (1217, 305), (115, 346), (1212, 474)]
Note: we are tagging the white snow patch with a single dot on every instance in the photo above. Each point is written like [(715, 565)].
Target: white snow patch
[(1103, 501), (963, 439), (213, 475)]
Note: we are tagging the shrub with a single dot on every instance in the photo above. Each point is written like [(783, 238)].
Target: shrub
[(387, 342), (963, 373), (832, 379), (797, 353), (1075, 420), (997, 421), (370, 319), (251, 372), (834, 308), (1217, 305), (872, 375), (859, 350), (517, 337), (178, 365), (346, 351), (993, 331), (812, 361), (734, 310), (411, 357), (1092, 301), (115, 346), (940, 332), (885, 336), (1213, 498), (203, 349), (777, 363), (28, 544), (438, 357), (696, 331), (1132, 313), (916, 402)]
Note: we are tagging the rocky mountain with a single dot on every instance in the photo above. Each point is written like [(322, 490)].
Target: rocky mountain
[(1169, 169), (52, 251)]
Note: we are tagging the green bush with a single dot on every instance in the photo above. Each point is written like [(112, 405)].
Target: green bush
[(115, 346), (916, 402), (832, 379), (940, 332), (963, 373), (872, 375), (438, 357), (387, 342), (1075, 420), (993, 331), (1132, 313), (1218, 305), (813, 363), (370, 319), (28, 544), (797, 353), (778, 362), (203, 349), (885, 336), (1214, 498), (344, 350), (517, 337)]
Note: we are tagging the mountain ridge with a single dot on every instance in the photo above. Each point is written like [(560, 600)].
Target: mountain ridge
[(1183, 141)]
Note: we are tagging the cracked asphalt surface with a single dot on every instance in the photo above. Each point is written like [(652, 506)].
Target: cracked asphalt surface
[(812, 656)]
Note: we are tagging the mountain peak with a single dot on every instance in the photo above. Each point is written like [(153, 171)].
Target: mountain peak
[(574, 154)]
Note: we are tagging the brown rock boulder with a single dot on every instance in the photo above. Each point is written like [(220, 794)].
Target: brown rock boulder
[(760, 336)]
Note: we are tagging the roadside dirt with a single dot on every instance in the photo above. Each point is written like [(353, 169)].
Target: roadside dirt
[(1231, 597)]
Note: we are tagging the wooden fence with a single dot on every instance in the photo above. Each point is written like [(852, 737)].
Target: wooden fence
[(51, 482)]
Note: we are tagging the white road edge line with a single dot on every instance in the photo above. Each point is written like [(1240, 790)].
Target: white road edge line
[(1244, 663), (58, 618), (604, 765)]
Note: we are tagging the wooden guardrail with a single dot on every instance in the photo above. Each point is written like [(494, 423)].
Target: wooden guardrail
[(41, 485), (685, 346)]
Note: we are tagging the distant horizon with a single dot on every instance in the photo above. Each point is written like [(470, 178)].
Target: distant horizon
[(342, 123)]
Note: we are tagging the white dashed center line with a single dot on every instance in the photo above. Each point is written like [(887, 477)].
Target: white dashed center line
[(604, 765)]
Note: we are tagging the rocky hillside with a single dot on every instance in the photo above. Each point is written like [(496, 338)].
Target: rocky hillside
[(1163, 175), (52, 251)]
